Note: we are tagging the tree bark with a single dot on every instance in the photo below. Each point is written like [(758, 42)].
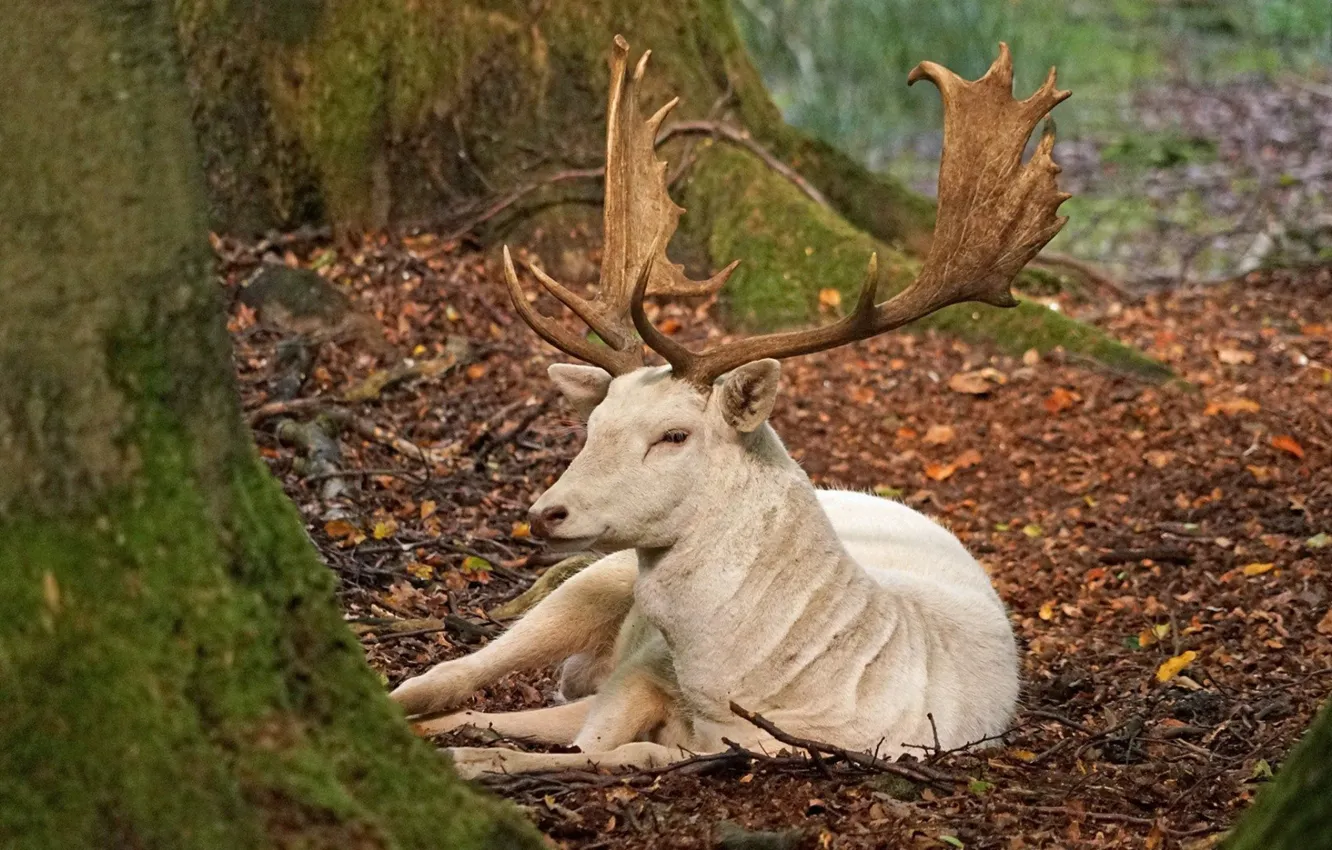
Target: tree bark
[(174, 670), (1295, 811), (371, 113)]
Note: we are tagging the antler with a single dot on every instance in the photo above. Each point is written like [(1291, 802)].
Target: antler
[(994, 214), (638, 222)]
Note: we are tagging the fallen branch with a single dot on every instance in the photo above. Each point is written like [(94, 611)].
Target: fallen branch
[(916, 773), (1160, 554), (716, 129)]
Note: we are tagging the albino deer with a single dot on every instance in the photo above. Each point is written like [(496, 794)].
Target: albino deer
[(838, 616)]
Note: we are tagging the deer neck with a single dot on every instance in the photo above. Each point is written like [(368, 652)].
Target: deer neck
[(757, 566)]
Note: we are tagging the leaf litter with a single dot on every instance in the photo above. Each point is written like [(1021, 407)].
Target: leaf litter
[(1165, 675)]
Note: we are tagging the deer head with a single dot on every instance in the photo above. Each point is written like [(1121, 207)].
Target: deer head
[(657, 436)]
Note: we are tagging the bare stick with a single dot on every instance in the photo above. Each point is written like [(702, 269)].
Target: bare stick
[(916, 773)]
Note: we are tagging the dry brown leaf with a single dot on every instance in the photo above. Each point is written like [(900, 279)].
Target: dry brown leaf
[(971, 383), (1159, 459), (338, 528), (938, 435), (1232, 407), (1287, 443), (1235, 356), (1324, 626), (967, 459)]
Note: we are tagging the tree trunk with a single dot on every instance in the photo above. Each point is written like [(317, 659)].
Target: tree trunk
[(1295, 811), (369, 113), (173, 667)]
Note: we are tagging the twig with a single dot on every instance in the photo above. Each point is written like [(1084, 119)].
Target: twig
[(741, 138), (1161, 554), (916, 773), (716, 129), (282, 408)]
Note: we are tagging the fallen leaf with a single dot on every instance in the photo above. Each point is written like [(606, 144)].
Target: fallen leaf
[(971, 383), (1171, 667), (830, 299), (339, 528), (938, 471), (422, 571), (1257, 569), (967, 459), (521, 529), (938, 435), (1059, 400), (1023, 755), (1287, 443), (951, 840), (476, 371), (670, 327), (1232, 407), (1047, 611), (384, 528), (1032, 530), (428, 508), (1234, 356), (1159, 459), (1324, 626), (474, 564), (1321, 540), (887, 492)]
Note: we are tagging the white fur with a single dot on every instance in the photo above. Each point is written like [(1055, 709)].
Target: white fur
[(837, 615)]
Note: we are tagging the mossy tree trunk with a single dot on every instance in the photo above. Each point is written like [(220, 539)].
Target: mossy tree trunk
[(367, 113), (173, 669), (1295, 811)]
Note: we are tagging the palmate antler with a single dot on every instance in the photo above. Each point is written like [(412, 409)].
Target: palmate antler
[(994, 214), (638, 220)]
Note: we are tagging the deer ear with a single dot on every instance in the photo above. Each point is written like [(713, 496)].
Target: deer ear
[(584, 386), (748, 394)]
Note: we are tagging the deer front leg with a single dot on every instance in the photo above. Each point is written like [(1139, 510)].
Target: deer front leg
[(558, 724), (582, 614)]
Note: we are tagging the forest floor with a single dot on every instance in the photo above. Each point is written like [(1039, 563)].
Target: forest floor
[(1164, 550)]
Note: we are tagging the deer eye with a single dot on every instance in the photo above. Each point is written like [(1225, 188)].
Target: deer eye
[(675, 435)]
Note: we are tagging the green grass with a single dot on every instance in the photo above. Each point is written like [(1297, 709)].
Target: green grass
[(838, 68)]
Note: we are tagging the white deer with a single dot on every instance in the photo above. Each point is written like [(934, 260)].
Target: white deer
[(838, 616)]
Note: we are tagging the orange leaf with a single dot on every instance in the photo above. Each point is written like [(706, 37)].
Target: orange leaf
[(475, 371), (938, 472), (428, 508), (338, 528), (1059, 400), (937, 435), (968, 458), (830, 299), (1287, 443), (1257, 569), (1232, 407), (670, 327)]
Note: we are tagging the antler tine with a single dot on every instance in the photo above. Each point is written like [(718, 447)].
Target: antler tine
[(613, 360), (637, 211), (994, 214)]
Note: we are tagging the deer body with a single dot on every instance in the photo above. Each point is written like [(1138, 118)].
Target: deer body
[(838, 616)]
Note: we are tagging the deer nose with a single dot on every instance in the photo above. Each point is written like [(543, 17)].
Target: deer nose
[(546, 520)]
